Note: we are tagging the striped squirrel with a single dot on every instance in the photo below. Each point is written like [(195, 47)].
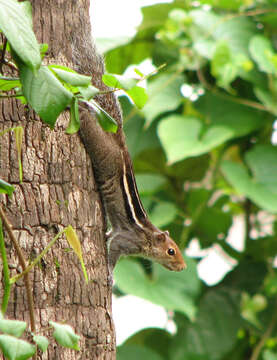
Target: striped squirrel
[(131, 231)]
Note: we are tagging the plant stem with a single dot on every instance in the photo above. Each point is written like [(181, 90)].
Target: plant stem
[(266, 335), (214, 90), (22, 262), (7, 285), (37, 259)]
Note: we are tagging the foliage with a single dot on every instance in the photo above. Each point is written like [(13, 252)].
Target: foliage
[(11, 330), (204, 156), (203, 151)]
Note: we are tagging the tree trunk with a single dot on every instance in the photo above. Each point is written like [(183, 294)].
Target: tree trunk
[(58, 189)]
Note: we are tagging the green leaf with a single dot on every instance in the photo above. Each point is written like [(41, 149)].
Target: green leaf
[(105, 120), (164, 95), (119, 81), (7, 83), (218, 310), (262, 186), (155, 339), (185, 286), (138, 95), (16, 349), (185, 136), (247, 276), (12, 327), (138, 138), (149, 183), (118, 59), (71, 77), (251, 306), (154, 17), (17, 28), (45, 93), (223, 66), (267, 98), (6, 188), (74, 242), (136, 352), (261, 51), (41, 341), (202, 214), (163, 213), (74, 124), (65, 335), (88, 92)]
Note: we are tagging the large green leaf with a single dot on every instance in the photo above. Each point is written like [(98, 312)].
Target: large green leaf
[(149, 183), (184, 286), (214, 331), (17, 28), (41, 341), (71, 77), (185, 136), (262, 52), (163, 213), (153, 338), (45, 93), (138, 138), (16, 349), (12, 327), (164, 95), (117, 60), (261, 187), (247, 276), (268, 98), (65, 335), (203, 214), (136, 352), (236, 31)]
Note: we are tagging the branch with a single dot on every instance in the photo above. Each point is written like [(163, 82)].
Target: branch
[(266, 335), (7, 285), (37, 259), (22, 262), (212, 89)]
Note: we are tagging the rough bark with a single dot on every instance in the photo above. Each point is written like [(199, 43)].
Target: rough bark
[(58, 189)]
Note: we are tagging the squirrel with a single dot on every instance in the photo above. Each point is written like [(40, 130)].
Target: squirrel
[(131, 233)]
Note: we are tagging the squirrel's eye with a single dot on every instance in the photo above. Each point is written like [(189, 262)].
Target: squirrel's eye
[(171, 252)]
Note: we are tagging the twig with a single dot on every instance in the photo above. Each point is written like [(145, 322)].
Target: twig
[(22, 262), (266, 335), (37, 259), (7, 285), (241, 101)]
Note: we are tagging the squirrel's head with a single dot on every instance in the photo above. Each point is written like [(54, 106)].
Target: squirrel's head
[(166, 252)]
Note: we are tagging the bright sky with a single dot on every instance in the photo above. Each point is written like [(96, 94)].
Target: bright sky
[(117, 18)]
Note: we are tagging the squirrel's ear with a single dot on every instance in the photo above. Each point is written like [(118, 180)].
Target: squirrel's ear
[(160, 236)]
